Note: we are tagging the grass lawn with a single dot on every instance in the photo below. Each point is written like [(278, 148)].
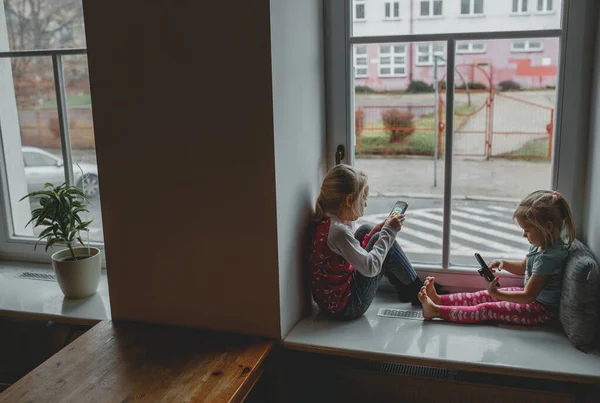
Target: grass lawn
[(72, 100), (534, 150), (375, 140)]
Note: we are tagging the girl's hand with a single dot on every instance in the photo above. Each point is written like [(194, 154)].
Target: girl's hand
[(496, 265), (492, 286), (377, 228), (395, 222)]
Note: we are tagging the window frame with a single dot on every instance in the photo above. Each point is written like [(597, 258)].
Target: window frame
[(472, 12), (527, 48), (392, 65), (393, 6), (431, 9), (519, 10), (16, 247), (545, 7), (355, 4), (430, 53), (357, 56), (577, 25), (470, 50)]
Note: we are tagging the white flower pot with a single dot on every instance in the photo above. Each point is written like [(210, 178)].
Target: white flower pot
[(77, 278)]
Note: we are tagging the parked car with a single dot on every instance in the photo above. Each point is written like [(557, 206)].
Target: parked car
[(42, 167)]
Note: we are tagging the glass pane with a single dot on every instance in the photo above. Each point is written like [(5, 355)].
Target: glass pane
[(384, 49), (361, 61), (30, 134), (396, 9), (518, 45), (44, 24), (478, 46), (385, 60), (437, 7), (399, 49), (502, 148), (423, 59), (360, 11), (361, 50), (535, 45), (361, 72), (540, 5), (395, 123), (83, 144), (387, 10), (493, 16), (462, 47), (550, 6)]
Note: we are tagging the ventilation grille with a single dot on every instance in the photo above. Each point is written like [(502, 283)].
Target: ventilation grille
[(419, 371), (37, 276), (400, 313)]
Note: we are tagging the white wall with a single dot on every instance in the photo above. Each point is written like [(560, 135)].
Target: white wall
[(592, 194), (298, 109)]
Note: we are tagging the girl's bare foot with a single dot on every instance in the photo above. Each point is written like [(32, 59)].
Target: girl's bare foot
[(430, 310), (429, 284)]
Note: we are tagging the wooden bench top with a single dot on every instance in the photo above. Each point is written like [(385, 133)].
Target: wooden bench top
[(146, 363)]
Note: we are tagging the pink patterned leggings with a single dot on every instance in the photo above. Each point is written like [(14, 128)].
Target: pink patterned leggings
[(480, 306)]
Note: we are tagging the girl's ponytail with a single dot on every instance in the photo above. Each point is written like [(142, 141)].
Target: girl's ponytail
[(319, 209), (569, 221)]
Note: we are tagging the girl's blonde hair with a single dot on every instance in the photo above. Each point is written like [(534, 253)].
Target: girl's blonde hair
[(341, 181), (544, 206)]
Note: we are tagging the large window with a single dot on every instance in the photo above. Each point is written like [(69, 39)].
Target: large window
[(431, 8), (471, 7), (392, 60), (465, 130), (46, 125)]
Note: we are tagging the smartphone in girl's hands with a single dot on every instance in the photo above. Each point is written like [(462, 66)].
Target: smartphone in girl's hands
[(399, 208)]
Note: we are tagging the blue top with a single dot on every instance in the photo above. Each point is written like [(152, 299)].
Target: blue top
[(549, 262)]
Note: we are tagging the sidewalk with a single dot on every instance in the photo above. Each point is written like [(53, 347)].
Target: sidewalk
[(499, 179)]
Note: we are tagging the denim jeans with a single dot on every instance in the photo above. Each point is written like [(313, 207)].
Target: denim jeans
[(396, 267)]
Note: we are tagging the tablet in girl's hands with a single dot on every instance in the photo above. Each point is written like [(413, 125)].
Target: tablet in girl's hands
[(399, 208)]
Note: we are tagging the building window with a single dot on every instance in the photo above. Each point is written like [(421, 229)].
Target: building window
[(520, 7), (392, 10), (470, 47), (426, 52), (392, 60), (359, 10), (534, 45), (545, 6), (471, 7), (431, 8), (361, 66)]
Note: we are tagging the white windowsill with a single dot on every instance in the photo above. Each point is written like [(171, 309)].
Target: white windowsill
[(537, 352), (392, 19), (361, 20), (43, 300), (471, 16), (430, 17), (520, 14)]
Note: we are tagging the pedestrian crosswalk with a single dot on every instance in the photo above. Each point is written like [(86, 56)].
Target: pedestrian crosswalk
[(489, 230)]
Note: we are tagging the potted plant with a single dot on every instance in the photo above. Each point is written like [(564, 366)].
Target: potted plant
[(77, 268)]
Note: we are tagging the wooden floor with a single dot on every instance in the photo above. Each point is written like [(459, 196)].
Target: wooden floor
[(149, 363)]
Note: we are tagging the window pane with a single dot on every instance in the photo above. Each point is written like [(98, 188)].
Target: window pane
[(550, 6), (360, 11), (540, 5), (361, 72), (361, 61), (83, 146), (478, 46), (535, 45), (387, 10), (501, 149), (519, 45), (361, 50), (44, 24), (384, 60), (462, 47), (399, 49), (396, 9), (396, 121), (465, 7), (384, 49), (494, 16)]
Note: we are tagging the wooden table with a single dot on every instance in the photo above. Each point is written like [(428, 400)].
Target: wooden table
[(146, 363)]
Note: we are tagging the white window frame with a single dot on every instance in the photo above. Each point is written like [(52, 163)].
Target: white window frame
[(545, 7), (470, 48), (393, 7), (472, 12), (429, 54), (431, 9), (392, 65), (519, 4), (356, 4), (358, 56), (527, 48)]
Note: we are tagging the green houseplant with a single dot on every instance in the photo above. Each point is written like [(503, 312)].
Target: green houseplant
[(77, 268)]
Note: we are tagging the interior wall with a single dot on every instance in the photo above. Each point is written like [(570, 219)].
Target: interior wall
[(183, 119), (299, 122), (592, 194)]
